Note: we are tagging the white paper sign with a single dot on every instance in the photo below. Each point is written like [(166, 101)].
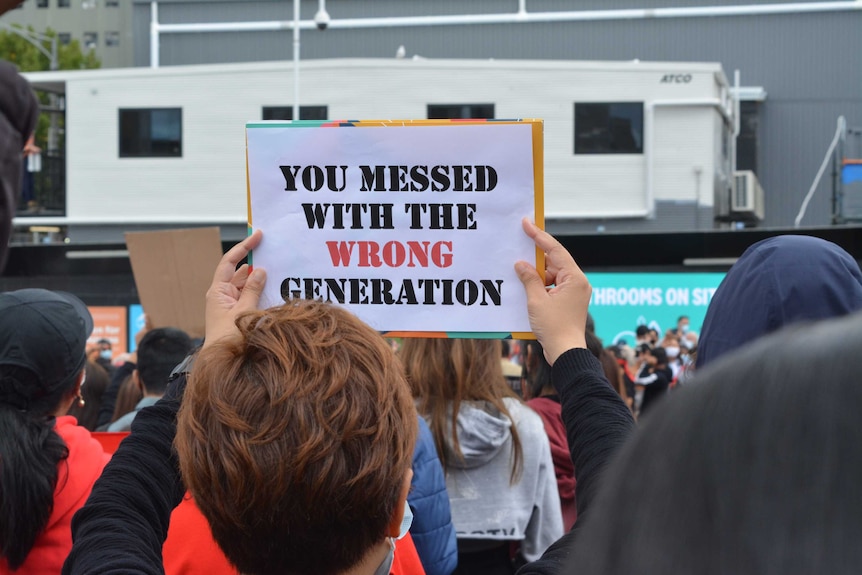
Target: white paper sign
[(412, 227)]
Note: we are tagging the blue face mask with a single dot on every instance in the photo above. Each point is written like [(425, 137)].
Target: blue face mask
[(406, 521), (105, 354), (386, 566)]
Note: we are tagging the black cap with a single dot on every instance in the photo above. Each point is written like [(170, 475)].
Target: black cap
[(45, 332)]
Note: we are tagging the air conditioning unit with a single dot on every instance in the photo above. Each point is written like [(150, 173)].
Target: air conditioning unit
[(746, 201)]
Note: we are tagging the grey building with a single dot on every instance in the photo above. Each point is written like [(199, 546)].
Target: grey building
[(802, 60), (104, 26)]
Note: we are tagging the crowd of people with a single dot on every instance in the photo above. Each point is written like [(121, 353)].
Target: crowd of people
[(295, 440)]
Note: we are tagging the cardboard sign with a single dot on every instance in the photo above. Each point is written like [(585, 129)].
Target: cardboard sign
[(173, 270), (414, 226), (109, 322)]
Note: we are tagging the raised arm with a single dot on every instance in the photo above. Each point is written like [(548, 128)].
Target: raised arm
[(597, 420), (124, 523)]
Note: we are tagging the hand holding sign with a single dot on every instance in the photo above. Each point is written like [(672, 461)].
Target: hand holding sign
[(233, 291), (557, 315)]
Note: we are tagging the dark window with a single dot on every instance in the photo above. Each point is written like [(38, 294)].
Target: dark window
[(746, 142), (40, 4), (460, 111), (151, 133), (112, 3), (63, 3), (609, 128), (91, 40), (64, 38), (112, 38), (286, 113)]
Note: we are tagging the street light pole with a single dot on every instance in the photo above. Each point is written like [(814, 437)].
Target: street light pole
[(296, 59), (37, 39)]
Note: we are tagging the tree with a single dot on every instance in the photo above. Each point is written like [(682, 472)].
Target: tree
[(15, 48)]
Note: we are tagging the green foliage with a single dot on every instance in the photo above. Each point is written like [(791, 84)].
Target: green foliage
[(21, 52), (28, 58)]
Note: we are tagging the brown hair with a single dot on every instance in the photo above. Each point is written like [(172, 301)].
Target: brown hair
[(95, 384), (444, 372), (613, 373), (128, 397), (295, 439)]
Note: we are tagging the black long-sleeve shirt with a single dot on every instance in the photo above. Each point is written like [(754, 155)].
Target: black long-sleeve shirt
[(121, 528), (597, 423)]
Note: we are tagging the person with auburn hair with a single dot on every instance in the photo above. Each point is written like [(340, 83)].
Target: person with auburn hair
[(295, 438), (304, 419), (485, 436)]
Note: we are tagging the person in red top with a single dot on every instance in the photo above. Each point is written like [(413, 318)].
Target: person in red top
[(191, 550), (48, 464), (543, 399)]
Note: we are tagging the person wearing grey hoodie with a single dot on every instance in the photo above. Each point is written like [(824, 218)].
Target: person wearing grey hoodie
[(494, 449)]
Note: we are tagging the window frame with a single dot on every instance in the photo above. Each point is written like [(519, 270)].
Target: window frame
[(303, 111), (150, 154), (85, 45), (442, 115), (583, 150)]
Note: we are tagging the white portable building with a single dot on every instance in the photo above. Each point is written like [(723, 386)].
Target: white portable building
[(165, 146)]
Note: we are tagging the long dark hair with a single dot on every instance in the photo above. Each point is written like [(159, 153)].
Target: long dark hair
[(30, 451), (537, 372), (97, 382)]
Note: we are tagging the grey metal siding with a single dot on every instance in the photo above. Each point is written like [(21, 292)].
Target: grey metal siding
[(806, 62)]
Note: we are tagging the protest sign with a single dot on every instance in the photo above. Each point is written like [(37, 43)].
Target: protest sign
[(173, 270), (414, 226)]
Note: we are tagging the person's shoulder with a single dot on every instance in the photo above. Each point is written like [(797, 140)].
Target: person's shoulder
[(527, 420), (123, 424)]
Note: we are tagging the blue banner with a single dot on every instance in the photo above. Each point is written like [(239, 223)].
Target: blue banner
[(623, 301), (136, 324)]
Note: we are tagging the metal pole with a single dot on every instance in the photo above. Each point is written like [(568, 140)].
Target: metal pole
[(154, 34), (296, 59), (54, 63), (737, 121), (534, 17), (52, 129)]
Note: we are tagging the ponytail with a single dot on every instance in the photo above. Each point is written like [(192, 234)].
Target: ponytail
[(30, 451)]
